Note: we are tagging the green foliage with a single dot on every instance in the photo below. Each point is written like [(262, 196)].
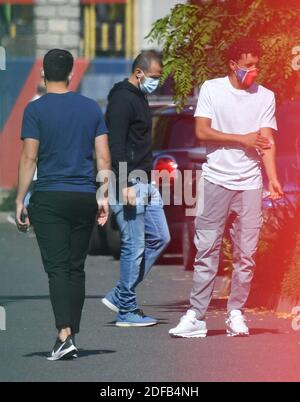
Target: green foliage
[(8, 203), (195, 38), (227, 259), (278, 256)]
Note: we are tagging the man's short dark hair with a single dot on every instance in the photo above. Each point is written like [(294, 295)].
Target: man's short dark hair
[(144, 60), (58, 65), (243, 46)]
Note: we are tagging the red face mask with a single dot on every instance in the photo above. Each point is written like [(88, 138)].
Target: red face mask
[(246, 77)]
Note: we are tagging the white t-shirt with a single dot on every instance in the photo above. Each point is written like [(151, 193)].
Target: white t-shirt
[(235, 111)]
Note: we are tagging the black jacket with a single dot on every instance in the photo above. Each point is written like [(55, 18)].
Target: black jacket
[(129, 123)]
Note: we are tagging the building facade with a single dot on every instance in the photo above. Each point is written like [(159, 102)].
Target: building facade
[(103, 35), (88, 28)]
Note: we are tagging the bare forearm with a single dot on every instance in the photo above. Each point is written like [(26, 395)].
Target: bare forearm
[(209, 134), (104, 174), (27, 168), (269, 161), (206, 133), (103, 155), (104, 163)]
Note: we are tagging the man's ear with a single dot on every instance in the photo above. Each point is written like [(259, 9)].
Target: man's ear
[(139, 73), (232, 65), (42, 72), (70, 77)]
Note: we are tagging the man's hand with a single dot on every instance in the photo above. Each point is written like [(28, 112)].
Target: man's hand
[(275, 189), (256, 140), (103, 211), (129, 196), (22, 219)]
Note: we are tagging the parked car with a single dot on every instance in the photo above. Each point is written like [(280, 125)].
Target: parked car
[(176, 150)]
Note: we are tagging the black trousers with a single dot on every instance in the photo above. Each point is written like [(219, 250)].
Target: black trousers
[(63, 223)]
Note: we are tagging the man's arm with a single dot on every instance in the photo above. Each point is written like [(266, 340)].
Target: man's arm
[(118, 119), (269, 161), (103, 159), (27, 166), (206, 133)]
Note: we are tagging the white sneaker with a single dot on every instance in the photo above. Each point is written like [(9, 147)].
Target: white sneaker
[(236, 324), (189, 327)]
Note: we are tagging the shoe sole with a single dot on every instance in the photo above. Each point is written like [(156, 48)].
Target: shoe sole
[(237, 335), (64, 353), (129, 324), (109, 305), (198, 334)]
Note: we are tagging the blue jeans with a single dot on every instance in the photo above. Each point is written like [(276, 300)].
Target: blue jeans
[(144, 236)]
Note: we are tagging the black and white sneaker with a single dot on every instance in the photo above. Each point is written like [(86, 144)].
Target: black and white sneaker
[(63, 349), (75, 353)]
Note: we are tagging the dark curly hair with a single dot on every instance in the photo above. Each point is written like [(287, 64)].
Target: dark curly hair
[(243, 46)]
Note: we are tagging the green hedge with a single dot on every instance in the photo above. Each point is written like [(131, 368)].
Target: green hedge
[(8, 203)]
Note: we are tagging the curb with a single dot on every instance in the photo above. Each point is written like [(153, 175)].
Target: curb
[(286, 305), (3, 216)]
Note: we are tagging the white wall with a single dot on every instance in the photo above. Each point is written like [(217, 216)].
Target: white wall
[(147, 12)]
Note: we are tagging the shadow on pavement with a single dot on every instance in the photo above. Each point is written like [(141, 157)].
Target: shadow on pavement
[(82, 353), (253, 332), (169, 260), (161, 321), (222, 332), (4, 300)]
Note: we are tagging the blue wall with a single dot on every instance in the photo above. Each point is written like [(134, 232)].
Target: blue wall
[(12, 81), (96, 84), (102, 75)]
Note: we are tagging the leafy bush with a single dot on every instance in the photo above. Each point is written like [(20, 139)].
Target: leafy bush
[(277, 246), (278, 256), (291, 282), (195, 38)]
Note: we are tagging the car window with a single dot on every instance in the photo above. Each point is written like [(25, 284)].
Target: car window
[(159, 131), (174, 131)]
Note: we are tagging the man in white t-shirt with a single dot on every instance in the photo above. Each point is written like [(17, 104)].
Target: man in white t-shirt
[(236, 118)]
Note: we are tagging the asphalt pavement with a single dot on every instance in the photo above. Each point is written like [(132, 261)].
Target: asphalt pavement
[(111, 354)]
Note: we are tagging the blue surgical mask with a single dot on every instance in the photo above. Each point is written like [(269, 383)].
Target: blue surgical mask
[(149, 85)]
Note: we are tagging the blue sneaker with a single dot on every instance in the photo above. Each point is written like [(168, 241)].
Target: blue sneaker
[(134, 318)]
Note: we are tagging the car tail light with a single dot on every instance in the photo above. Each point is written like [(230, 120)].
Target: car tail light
[(167, 163), (164, 167)]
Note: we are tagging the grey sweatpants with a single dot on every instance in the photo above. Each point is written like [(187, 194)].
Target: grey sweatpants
[(217, 204)]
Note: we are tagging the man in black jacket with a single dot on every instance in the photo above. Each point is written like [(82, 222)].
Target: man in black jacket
[(143, 226)]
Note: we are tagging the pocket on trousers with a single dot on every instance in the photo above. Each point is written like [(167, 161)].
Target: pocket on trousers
[(131, 212)]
